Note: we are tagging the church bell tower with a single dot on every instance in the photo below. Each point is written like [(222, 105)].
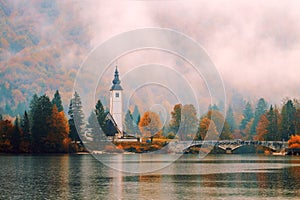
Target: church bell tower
[(116, 102)]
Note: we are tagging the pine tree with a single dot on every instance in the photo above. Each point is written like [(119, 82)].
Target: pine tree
[(273, 129), (297, 121), (94, 127), (247, 116), (230, 119), (26, 136), (129, 124), (76, 118), (57, 101), (136, 115), (16, 137), (25, 127), (101, 115), (41, 110), (288, 120), (260, 109)]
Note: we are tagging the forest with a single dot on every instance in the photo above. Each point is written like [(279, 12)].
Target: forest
[(46, 128)]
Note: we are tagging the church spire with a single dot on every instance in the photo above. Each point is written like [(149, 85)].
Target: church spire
[(116, 82)]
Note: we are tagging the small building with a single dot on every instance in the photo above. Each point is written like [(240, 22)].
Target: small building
[(116, 103)]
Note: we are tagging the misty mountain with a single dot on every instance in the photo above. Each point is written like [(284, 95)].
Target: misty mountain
[(41, 44)]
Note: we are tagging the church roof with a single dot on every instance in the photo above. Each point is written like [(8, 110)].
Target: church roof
[(116, 82)]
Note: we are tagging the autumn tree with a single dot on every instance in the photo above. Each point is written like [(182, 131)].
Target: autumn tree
[(6, 131), (57, 139), (188, 123), (262, 128), (175, 118), (260, 109), (207, 129), (221, 125), (150, 124), (57, 101), (294, 141)]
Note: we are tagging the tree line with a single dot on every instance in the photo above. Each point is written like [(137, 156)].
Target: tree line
[(45, 128), (265, 122)]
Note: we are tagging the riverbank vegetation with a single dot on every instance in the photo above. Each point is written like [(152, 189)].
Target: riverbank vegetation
[(47, 128)]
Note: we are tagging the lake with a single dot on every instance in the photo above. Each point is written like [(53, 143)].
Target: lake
[(189, 177)]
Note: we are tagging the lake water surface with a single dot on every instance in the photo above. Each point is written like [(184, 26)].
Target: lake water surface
[(214, 177)]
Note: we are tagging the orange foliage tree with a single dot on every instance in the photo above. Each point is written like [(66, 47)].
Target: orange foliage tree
[(207, 129), (262, 128), (294, 141), (57, 139), (150, 124), (6, 131)]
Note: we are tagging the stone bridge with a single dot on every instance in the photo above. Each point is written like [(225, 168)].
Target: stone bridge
[(228, 145)]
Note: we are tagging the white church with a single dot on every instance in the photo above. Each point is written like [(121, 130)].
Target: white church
[(116, 101)]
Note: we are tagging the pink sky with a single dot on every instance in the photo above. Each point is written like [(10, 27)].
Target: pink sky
[(254, 44)]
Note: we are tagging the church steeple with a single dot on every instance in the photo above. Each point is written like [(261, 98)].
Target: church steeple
[(116, 82)]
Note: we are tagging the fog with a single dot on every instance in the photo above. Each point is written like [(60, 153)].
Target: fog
[(253, 44)]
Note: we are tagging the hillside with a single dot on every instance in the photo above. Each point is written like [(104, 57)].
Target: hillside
[(42, 44)]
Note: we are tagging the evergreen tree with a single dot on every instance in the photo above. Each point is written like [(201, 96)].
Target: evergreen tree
[(76, 118), (288, 120), (297, 121), (1, 117), (101, 115), (272, 128), (57, 101), (129, 124), (230, 119), (136, 115), (93, 126), (25, 127), (32, 106), (247, 116), (16, 137), (26, 136), (41, 110), (213, 107), (260, 109)]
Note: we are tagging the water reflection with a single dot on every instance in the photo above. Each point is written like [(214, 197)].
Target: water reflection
[(83, 177)]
